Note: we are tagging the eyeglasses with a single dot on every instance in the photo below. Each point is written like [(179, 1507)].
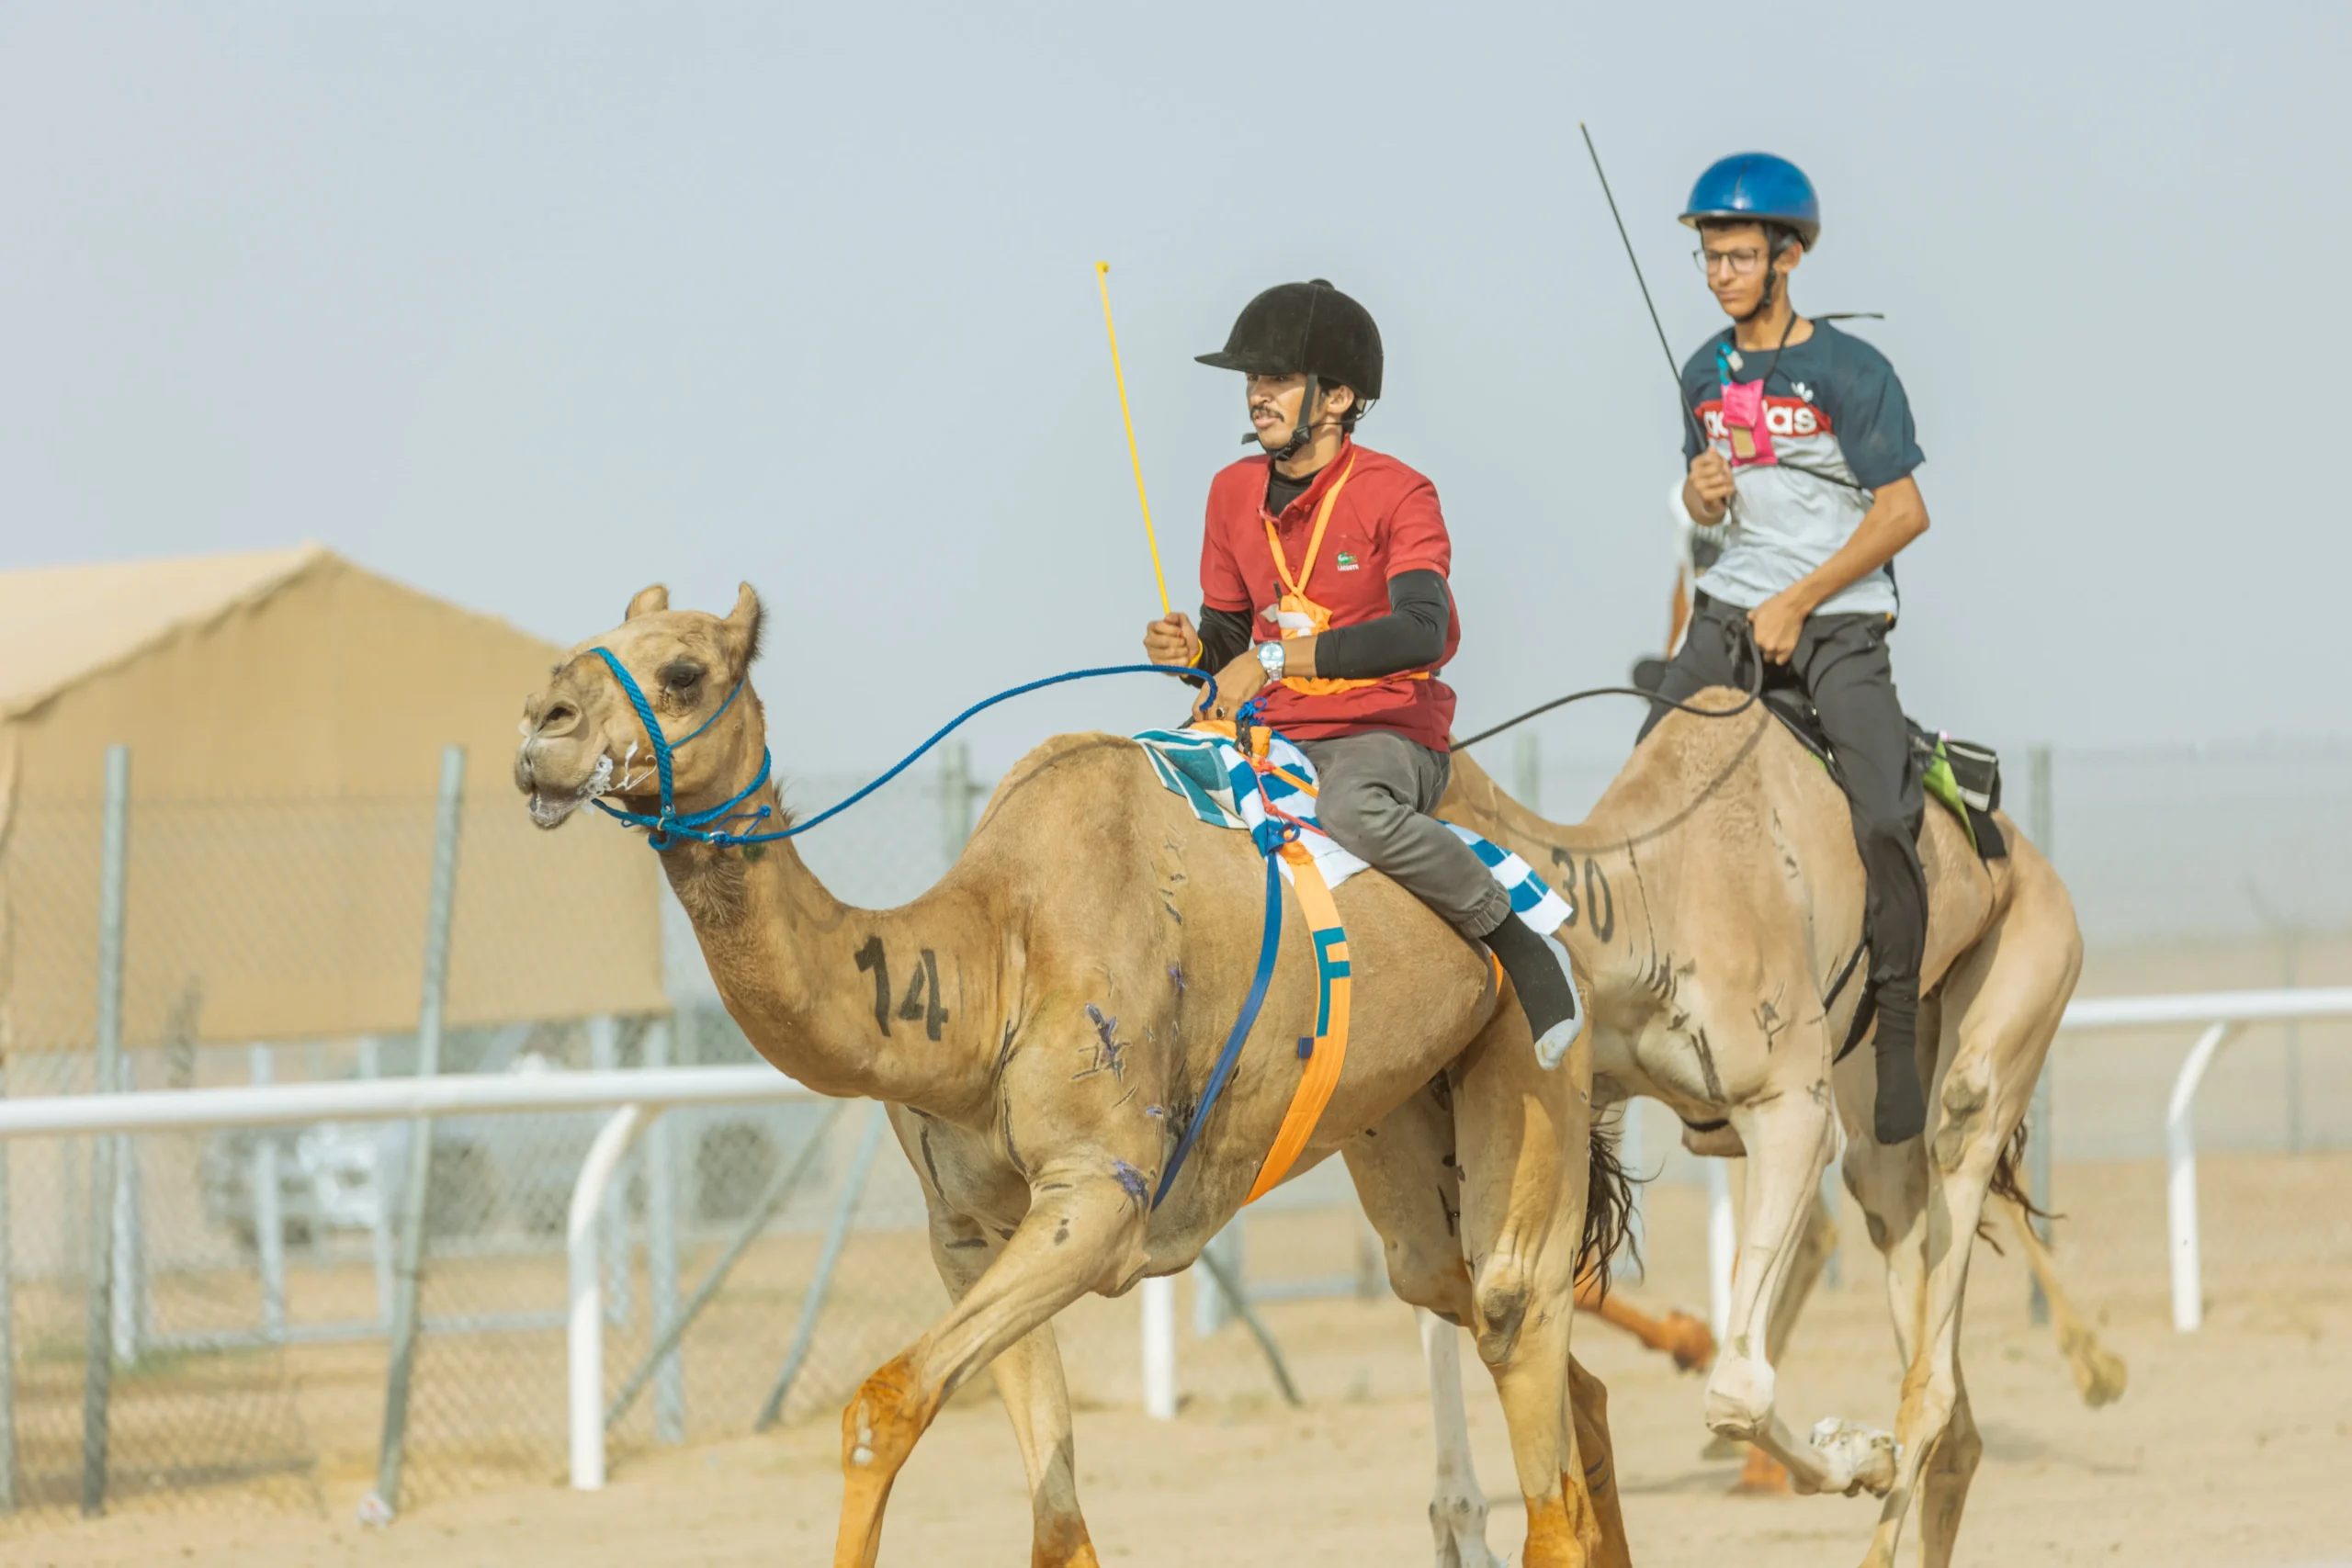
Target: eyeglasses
[(1741, 262)]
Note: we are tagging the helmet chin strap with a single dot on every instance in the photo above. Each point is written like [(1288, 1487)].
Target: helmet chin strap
[(1302, 429), (1771, 275)]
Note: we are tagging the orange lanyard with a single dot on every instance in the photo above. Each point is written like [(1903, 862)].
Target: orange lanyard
[(1297, 585)]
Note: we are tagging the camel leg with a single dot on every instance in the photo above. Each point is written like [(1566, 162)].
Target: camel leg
[(2000, 1009), (1458, 1510), (1083, 1232), (1676, 1333), (1763, 1475), (1036, 1399), (1943, 1490), (1525, 1168), (2100, 1374), (1419, 1221), (1589, 1409), (1788, 1141)]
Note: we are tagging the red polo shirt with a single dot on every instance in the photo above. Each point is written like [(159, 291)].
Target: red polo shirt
[(1386, 520)]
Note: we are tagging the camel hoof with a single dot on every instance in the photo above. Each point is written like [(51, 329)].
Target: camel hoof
[(1859, 1459), (1763, 1476), (1459, 1527), (2100, 1377)]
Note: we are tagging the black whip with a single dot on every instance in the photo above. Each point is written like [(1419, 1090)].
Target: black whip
[(1672, 369)]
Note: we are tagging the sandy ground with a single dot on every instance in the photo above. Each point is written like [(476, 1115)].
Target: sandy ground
[(2230, 1447)]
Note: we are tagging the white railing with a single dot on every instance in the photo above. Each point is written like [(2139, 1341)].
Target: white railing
[(2223, 1013), (636, 1097)]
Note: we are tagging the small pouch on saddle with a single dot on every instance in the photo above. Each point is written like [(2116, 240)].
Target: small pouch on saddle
[(1966, 777), (1975, 772)]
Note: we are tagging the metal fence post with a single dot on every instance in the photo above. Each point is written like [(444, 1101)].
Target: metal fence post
[(380, 1225), (270, 1221), (661, 1251), (447, 821), (128, 1295), (2041, 830), (836, 1237), (1211, 1309), (1527, 770), (756, 1221), (605, 1056), (956, 793), (97, 1372)]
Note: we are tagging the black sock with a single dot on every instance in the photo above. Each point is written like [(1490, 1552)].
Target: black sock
[(1900, 1113), (1543, 992)]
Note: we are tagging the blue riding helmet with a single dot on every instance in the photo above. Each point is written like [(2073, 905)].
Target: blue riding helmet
[(1756, 187)]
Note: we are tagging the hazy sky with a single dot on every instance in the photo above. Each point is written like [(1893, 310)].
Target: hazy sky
[(531, 304)]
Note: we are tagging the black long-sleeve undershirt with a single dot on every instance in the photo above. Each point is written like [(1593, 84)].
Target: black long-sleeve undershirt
[(1410, 635)]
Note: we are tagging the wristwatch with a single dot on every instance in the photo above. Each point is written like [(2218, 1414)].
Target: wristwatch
[(1270, 659)]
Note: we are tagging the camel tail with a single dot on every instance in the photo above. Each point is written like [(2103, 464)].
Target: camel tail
[(2006, 1183), (1608, 1211)]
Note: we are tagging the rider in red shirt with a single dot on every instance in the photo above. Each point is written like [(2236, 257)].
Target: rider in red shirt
[(1323, 572)]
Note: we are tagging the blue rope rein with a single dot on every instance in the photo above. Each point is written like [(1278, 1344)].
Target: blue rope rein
[(668, 826)]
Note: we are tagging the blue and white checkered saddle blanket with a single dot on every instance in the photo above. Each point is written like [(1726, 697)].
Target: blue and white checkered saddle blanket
[(1219, 783)]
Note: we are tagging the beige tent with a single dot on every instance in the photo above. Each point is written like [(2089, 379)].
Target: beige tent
[(285, 713)]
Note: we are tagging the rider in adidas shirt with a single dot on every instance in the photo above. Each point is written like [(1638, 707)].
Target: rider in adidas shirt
[(1807, 454)]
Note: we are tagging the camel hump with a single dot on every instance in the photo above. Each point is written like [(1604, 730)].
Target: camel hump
[(1086, 787)]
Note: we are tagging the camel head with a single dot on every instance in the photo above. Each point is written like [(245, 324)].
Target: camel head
[(582, 738)]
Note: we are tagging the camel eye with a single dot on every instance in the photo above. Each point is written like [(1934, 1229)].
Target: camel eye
[(682, 677)]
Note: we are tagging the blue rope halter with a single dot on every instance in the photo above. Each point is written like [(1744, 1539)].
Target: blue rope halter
[(665, 828), (668, 826)]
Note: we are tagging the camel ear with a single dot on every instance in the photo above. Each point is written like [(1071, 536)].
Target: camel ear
[(745, 621), (649, 601)]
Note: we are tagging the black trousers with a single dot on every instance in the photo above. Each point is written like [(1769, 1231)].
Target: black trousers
[(1842, 666)]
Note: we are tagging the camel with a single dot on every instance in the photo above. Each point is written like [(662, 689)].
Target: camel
[(1041, 1024), (2099, 1375), (1720, 913)]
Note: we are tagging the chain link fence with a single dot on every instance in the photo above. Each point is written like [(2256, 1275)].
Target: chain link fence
[(252, 1270)]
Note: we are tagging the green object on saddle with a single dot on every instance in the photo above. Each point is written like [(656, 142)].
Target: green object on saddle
[(1938, 781), (1963, 775)]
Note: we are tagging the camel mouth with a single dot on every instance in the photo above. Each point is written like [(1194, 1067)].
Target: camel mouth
[(552, 810)]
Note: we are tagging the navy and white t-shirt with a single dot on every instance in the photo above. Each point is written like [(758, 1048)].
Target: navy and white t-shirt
[(1832, 404)]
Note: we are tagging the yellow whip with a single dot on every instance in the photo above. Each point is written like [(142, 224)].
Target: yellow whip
[(1102, 281)]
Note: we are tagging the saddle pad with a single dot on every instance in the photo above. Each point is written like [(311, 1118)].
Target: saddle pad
[(1210, 772)]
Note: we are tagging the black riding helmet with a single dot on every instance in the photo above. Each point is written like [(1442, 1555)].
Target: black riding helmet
[(1305, 329)]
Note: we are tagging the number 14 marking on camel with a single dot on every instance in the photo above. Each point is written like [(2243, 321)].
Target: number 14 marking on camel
[(921, 1000)]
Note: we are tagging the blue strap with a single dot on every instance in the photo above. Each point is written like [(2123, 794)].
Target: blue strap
[(1269, 945)]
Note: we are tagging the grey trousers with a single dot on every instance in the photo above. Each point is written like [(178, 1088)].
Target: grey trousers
[(1374, 793)]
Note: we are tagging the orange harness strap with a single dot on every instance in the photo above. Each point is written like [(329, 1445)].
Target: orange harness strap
[(1327, 1051)]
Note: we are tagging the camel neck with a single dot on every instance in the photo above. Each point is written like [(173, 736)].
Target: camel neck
[(880, 1003)]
